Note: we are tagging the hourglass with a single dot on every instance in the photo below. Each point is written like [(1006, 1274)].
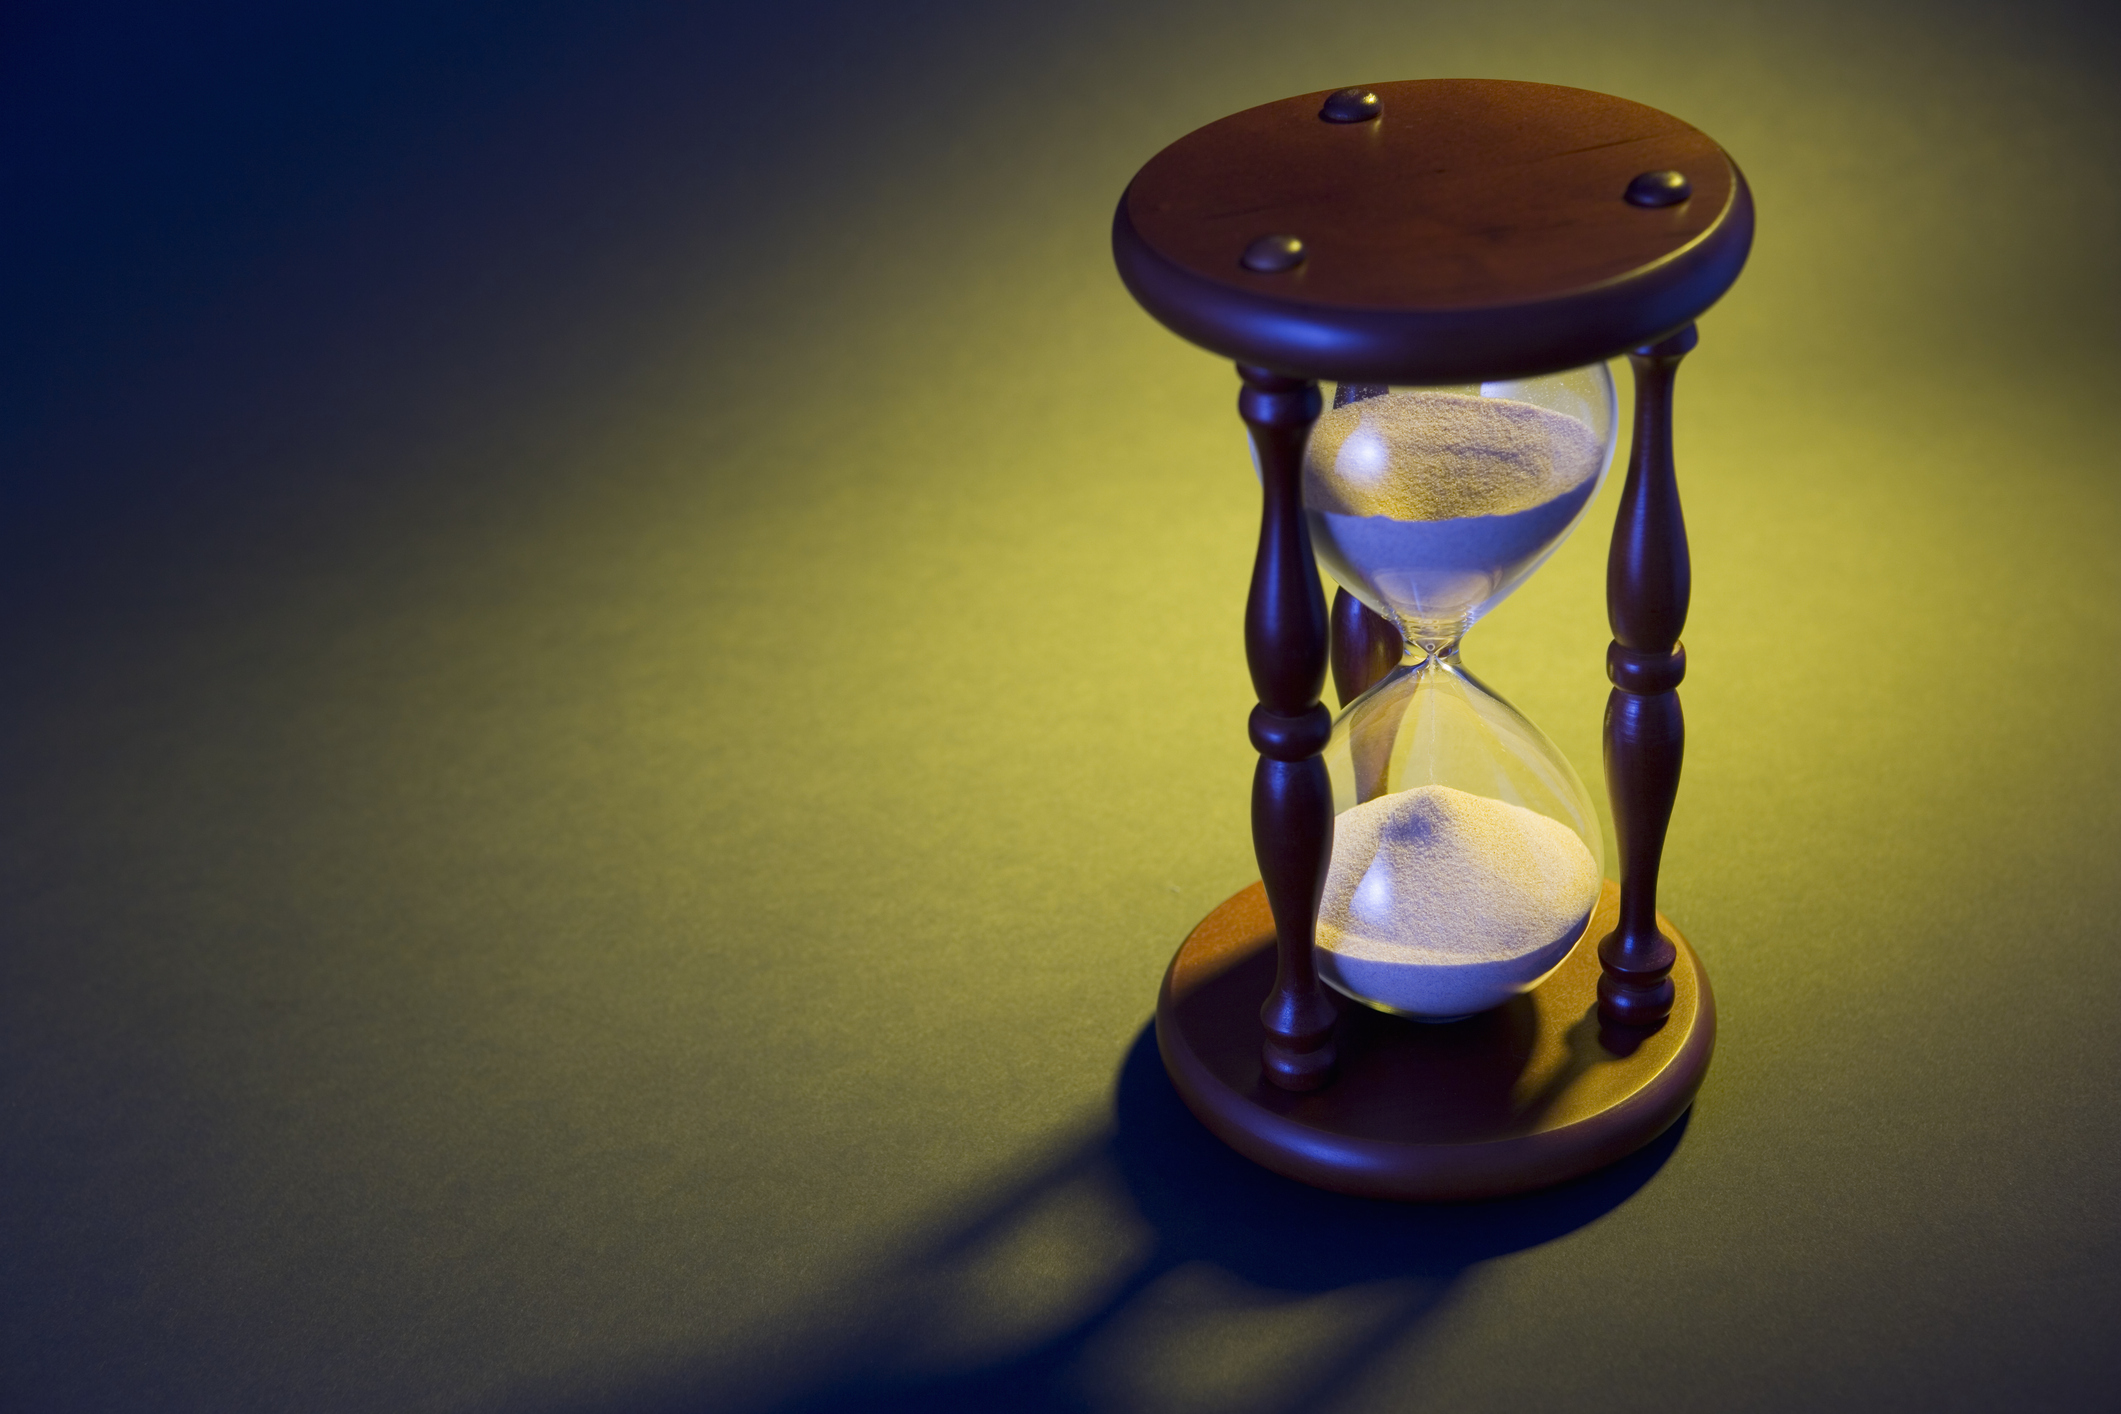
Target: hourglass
[(1434, 991)]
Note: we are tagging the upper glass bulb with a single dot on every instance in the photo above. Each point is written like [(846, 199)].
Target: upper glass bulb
[(1432, 504)]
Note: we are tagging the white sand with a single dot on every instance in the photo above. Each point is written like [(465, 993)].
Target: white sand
[(1438, 504), (1439, 902), (1441, 456)]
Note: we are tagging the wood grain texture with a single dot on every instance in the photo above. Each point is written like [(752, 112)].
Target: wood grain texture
[(1476, 229), (1463, 193), (1532, 1093)]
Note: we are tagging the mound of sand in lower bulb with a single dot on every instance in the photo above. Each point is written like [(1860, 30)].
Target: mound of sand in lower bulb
[(1439, 903)]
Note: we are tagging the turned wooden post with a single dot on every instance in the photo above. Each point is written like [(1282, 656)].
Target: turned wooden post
[(1366, 646), (1647, 583), (1292, 800)]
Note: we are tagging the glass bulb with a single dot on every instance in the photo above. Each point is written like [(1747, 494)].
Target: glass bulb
[(1432, 504), (1467, 856)]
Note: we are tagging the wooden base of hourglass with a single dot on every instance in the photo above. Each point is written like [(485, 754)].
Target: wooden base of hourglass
[(1529, 1094)]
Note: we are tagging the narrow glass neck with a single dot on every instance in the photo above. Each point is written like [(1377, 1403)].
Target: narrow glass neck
[(1417, 652)]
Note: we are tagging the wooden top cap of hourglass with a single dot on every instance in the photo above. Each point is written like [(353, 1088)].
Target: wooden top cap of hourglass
[(1451, 230)]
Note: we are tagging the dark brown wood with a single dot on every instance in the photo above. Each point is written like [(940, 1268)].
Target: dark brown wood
[(1476, 229), (1532, 1093), (1366, 646), (1648, 580), (1345, 393), (1292, 799)]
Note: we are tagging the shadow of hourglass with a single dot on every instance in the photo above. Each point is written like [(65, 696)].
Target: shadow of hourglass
[(1208, 1203), (1235, 1288)]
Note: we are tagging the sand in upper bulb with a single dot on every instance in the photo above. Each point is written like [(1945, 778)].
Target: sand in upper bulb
[(1440, 502)]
